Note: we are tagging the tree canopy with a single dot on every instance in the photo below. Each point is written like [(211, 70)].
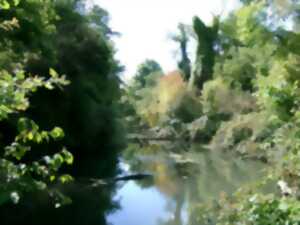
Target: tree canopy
[(146, 68)]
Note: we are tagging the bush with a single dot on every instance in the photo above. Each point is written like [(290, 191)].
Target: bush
[(239, 130), (188, 109), (278, 93), (164, 93), (216, 95)]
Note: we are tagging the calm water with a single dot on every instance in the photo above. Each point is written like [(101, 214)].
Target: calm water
[(180, 181), (183, 176)]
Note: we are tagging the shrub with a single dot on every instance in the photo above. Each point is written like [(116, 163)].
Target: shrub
[(239, 129), (188, 109), (216, 94)]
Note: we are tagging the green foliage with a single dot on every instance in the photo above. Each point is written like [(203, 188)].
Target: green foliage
[(145, 69), (39, 115), (257, 209), (279, 92), (215, 97), (87, 110), (188, 109), (16, 87), (205, 55), (19, 172), (249, 29), (6, 5), (182, 38), (240, 66), (17, 176), (257, 82), (241, 134), (252, 206)]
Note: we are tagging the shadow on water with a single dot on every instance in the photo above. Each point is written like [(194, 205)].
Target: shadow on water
[(90, 205)]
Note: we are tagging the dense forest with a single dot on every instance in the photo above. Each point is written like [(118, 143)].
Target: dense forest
[(68, 121)]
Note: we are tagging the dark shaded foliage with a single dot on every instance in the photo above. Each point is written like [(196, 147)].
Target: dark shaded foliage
[(182, 39), (205, 55), (76, 43)]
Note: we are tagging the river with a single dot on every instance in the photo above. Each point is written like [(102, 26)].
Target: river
[(183, 176)]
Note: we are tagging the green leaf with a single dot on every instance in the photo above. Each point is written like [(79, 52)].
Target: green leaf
[(68, 157), (38, 138), (44, 135), (66, 178), (53, 73), (52, 178), (49, 86), (30, 136), (4, 5), (22, 124), (21, 151), (20, 75), (57, 132), (16, 2), (57, 161)]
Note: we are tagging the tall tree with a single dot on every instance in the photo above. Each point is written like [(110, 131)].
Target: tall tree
[(36, 35), (76, 42), (205, 55), (182, 39)]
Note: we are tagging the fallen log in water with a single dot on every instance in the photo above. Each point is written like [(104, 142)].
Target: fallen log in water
[(140, 176)]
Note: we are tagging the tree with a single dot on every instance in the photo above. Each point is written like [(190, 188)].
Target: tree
[(35, 36), (87, 110), (262, 56), (146, 68), (182, 39), (19, 173), (205, 55)]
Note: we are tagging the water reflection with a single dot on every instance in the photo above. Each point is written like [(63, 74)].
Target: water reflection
[(182, 179), (89, 205), (183, 176)]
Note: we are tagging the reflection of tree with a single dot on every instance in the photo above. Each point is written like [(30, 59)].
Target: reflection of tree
[(170, 178), (179, 199), (176, 219), (89, 205), (188, 184)]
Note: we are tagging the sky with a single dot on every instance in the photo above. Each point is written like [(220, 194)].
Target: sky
[(146, 26)]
